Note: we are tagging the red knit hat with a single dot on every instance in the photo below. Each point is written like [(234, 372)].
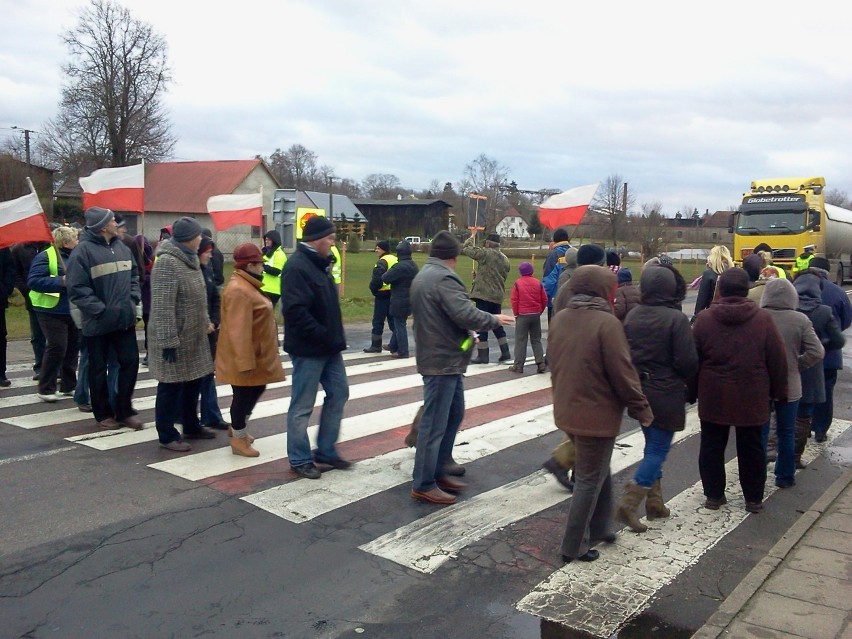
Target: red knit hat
[(247, 253)]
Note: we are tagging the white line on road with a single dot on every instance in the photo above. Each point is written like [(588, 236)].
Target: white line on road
[(31, 456)]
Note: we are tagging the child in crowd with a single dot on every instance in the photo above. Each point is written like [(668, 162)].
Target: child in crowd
[(528, 303)]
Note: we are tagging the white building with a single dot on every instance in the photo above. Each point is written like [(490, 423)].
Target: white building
[(513, 226)]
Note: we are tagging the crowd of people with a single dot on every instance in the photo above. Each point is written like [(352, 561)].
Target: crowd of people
[(760, 354)]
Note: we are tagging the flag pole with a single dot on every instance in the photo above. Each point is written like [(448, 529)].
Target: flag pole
[(142, 213)]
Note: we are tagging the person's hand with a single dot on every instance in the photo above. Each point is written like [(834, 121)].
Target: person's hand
[(210, 327), (170, 355), (505, 320)]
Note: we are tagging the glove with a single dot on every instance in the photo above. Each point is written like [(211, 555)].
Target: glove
[(170, 355)]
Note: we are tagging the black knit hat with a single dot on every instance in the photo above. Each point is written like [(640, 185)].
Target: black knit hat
[(590, 254), (317, 228), (444, 246), (493, 237), (384, 245), (733, 283)]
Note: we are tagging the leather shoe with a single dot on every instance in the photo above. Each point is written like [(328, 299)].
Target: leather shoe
[(754, 507), (591, 555), (339, 464), (219, 425), (819, 438), (308, 471), (453, 468), (4, 382), (109, 424), (201, 433), (84, 408), (714, 504), (450, 484), (434, 496), (177, 446), (608, 538), (552, 466), (132, 422)]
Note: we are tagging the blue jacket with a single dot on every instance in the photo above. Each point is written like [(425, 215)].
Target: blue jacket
[(835, 298), (40, 279)]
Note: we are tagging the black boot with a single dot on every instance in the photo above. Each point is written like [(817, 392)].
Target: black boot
[(481, 355), (375, 346), (504, 351)]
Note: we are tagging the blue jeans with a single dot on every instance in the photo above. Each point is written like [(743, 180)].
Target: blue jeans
[(308, 373), (210, 413), (81, 393), (657, 445), (400, 334), (785, 427), (824, 413), (443, 400)]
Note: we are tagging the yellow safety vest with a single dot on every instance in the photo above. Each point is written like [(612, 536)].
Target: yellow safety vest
[(47, 300), (337, 267), (390, 259), (272, 283), (803, 263)]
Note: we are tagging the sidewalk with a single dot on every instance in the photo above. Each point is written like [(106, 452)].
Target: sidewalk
[(803, 587)]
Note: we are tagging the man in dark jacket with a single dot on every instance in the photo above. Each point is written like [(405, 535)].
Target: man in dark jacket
[(400, 277), (381, 298), (104, 286), (23, 254), (742, 367), (217, 260), (7, 287), (443, 321), (314, 338), (836, 298)]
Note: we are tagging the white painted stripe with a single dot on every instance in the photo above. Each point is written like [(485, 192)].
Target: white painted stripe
[(298, 502), (40, 420), (219, 461), (428, 543), (31, 456), (598, 598)]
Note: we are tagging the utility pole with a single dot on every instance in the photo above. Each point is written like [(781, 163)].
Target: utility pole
[(26, 144)]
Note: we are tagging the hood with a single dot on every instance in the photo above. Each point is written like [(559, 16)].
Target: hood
[(571, 257), (733, 310), (779, 294), (275, 236), (808, 286), (753, 263), (592, 280), (658, 287)]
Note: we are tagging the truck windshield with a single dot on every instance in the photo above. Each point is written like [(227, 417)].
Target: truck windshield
[(777, 222)]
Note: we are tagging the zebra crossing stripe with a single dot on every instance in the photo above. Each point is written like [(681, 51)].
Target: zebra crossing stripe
[(273, 448), (294, 502), (426, 544), (599, 598)]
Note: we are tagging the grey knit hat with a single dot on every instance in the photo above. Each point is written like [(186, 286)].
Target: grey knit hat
[(185, 229), (97, 218)]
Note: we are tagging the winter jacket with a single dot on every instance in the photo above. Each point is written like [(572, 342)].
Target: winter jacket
[(179, 316), (706, 290), (7, 277), (383, 264), (592, 375), (400, 276), (810, 303), (23, 254), (528, 296), (274, 260), (214, 305), (147, 252), (103, 284), (313, 325), (662, 348), (802, 345), (491, 274), (836, 298), (564, 295), (443, 319), (562, 258), (42, 281), (742, 363), (626, 299), (247, 351)]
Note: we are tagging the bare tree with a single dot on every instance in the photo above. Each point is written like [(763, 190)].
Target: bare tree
[(610, 202), (648, 228), (838, 198), (486, 176), (111, 111), (381, 186)]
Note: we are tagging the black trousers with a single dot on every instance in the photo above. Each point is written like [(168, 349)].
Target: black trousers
[(494, 309), (123, 344), (751, 460), (178, 398), (381, 313), (3, 342), (60, 352), (243, 403)]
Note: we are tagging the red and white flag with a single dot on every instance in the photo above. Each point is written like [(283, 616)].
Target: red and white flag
[(23, 220), (240, 208), (566, 208), (119, 189)]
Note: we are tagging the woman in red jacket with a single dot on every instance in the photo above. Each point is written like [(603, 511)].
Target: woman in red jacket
[(528, 303)]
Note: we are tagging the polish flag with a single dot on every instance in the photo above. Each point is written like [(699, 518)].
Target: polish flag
[(230, 210), (23, 220), (566, 208), (119, 189)]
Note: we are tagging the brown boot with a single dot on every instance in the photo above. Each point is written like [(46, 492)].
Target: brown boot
[(629, 504), (231, 435), (411, 438), (803, 432), (242, 446), (655, 507)]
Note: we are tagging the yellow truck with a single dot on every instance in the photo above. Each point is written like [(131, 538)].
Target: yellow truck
[(789, 214)]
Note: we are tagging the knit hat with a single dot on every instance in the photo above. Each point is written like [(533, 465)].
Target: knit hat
[(493, 237), (185, 229), (384, 245), (820, 262), (613, 259), (120, 221), (403, 248), (206, 244), (590, 254), (752, 264), (97, 218), (207, 233), (560, 235), (624, 275), (444, 246), (525, 268), (733, 283), (317, 228), (247, 253)]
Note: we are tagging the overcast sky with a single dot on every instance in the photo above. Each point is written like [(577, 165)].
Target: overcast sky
[(687, 102)]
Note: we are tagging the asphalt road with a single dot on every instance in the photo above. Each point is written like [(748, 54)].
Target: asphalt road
[(97, 542)]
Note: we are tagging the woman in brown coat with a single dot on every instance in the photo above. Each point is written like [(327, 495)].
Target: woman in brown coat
[(593, 380), (247, 355)]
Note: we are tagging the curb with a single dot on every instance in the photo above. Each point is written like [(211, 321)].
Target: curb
[(742, 594)]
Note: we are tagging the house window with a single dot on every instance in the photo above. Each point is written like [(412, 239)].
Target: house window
[(715, 236), (255, 231), (679, 234)]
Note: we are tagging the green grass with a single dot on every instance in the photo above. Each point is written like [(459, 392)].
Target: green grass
[(357, 303)]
